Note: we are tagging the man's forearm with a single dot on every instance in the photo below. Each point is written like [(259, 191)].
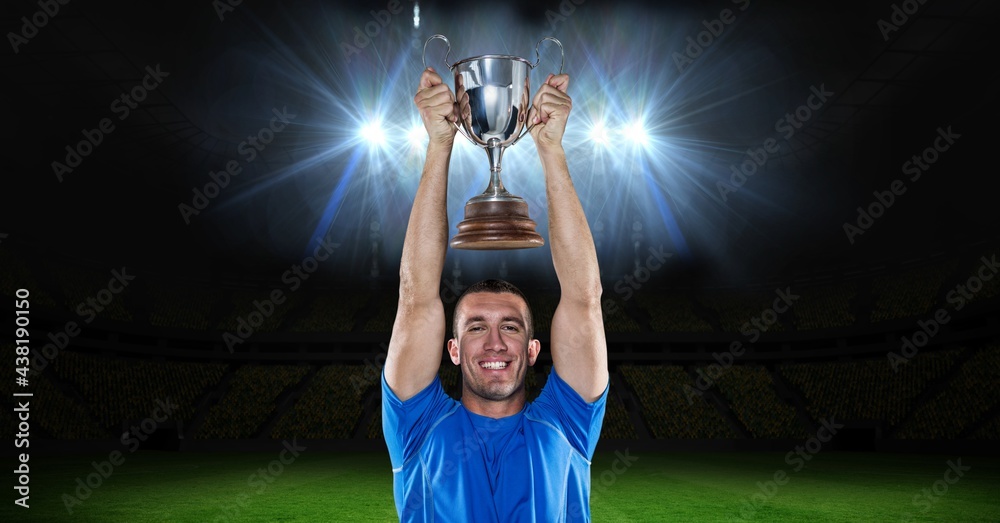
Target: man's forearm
[(425, 245), (573, 254)]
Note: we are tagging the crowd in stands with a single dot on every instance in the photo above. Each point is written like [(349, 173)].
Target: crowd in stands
[(869, 389), (616, 319), (242, 305), (737, 308), (385, 314), (181, 306), (451, 379), (750, 392), (125, 390), (826, 307), (910, 292), (617, 424), (14, 275), (333, 312), (665, 407), (79, 284), (543, 306), (329, 407), (990, 288), (61, 416), (672, 312), (249, 400), (52, 411), (963, 400), (989, 430)]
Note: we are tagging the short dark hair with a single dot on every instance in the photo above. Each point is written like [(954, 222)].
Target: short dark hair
[(496, 287)]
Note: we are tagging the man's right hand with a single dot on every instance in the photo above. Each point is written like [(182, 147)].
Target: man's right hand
[(437, 107)]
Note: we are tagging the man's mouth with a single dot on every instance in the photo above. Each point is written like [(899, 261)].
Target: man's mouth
[(493, 365)]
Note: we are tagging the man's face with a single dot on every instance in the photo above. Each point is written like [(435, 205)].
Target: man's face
[(492, 344)]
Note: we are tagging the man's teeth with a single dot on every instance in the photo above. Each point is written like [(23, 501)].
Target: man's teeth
[(494, 365)]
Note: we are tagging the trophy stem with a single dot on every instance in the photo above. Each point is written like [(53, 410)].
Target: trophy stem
[(496, 190)]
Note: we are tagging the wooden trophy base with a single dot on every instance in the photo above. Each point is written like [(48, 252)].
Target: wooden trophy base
[(496, 225)]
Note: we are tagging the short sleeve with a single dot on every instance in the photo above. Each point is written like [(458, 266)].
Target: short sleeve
[(405, 423), (579, 421)]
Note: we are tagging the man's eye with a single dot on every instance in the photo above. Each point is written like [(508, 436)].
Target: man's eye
[(510, 328)]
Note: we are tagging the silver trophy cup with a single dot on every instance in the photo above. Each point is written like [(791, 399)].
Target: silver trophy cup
[(493, 94)]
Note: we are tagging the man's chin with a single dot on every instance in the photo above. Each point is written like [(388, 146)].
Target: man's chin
[(495, 392)]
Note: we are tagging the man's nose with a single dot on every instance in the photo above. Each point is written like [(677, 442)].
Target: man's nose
[(494, 341)]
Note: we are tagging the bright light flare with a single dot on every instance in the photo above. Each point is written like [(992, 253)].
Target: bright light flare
[(636, 133), (599, 134), (417, 136), (373, 133)]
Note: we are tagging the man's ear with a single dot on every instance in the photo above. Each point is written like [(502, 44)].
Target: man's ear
[(453, 351), (534, 347)]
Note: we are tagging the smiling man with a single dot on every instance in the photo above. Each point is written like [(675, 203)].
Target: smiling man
[(493, 457)]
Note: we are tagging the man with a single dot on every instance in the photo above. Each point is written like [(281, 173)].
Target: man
[(492, 457)]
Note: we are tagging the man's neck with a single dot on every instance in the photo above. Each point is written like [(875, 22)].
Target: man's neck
[(493, 408)]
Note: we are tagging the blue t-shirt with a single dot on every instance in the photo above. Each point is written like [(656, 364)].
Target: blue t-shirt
[(449, 464)]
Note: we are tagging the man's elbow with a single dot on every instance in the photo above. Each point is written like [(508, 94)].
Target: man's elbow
[(587, 294)]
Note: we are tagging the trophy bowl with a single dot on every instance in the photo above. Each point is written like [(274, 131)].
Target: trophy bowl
[(493, 94)]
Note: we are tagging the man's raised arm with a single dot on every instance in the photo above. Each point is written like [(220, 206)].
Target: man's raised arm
[(578, 345), (418, 334)]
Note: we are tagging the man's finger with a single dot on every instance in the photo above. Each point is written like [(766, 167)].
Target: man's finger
[(430, 78), (559, 81)]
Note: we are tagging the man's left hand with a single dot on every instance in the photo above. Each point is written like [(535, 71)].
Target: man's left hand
[(549, 112)]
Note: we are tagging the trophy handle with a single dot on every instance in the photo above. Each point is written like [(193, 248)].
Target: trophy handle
[(423, 57), (538, 59), (538, 56)]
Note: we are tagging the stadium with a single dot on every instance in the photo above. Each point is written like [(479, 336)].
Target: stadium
[(798, 254)]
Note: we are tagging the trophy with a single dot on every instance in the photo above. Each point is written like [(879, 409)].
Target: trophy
[(493, 96)]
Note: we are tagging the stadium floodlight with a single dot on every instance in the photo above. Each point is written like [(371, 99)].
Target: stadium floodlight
[(599, 134), (373, 133), (636, 133), (417, 136)]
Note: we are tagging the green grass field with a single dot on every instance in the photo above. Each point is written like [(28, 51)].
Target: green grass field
[(324, 486)]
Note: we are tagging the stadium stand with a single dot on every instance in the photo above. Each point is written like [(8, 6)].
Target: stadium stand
[(543, 305), (910, 292), (119, 389), (665, 407), (672, 312), (866, 389), (968, 395), (385, 315), (329, 408), (991, 287), (58, 414), (826, 306), (81, 284), (181, 306), (17, 275), (989, 431), (242, 306), (249, 400), (736, 308), (617, 424), (333, 312), (751, 395), (616, 318)]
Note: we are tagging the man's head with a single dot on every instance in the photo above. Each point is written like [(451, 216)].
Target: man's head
[(493, 341)]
